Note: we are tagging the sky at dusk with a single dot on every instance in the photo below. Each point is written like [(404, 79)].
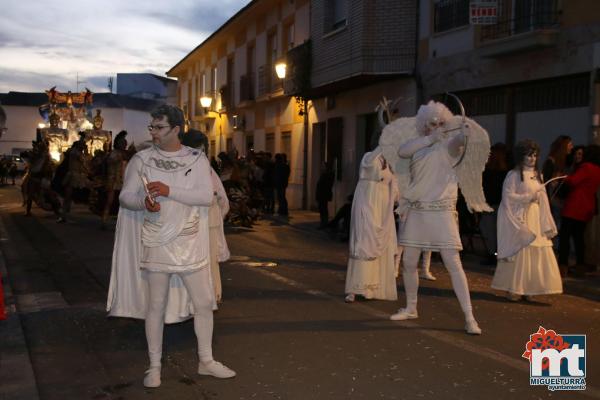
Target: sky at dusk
[(46, 43)]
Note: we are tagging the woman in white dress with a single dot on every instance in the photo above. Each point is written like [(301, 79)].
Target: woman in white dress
[(526, 262), (371, 265)]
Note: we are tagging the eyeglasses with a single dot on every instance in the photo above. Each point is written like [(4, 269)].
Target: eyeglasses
[(157, 128)]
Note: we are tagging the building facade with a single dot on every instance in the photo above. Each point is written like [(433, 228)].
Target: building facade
[(235, 67), (342, 58), (531, 75)]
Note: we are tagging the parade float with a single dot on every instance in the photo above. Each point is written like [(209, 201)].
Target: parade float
[(68, 118)]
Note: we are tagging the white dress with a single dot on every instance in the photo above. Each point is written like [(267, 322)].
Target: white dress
[(526, 262), (371, 265), (431, 221)]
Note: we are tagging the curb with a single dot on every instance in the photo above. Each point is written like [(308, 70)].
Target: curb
[(17, 379)]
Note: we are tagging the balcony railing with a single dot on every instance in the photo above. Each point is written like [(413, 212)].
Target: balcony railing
[(268, 81), (247, 87), (529, 16), (297, 81)]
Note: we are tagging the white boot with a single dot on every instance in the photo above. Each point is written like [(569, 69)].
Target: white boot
[(152, 378)]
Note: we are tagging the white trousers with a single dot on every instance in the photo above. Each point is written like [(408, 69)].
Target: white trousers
[(197, 284), (451, 260)]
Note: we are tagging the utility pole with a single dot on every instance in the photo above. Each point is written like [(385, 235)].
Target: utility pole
[(78, 81)]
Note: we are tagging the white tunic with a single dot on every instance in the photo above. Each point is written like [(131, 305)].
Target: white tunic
[(526, 262), (430, 218), (371, 267)]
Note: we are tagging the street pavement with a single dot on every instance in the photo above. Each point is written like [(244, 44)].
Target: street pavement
[(285, 329)]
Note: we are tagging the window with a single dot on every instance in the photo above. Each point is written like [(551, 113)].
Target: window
[(288, 37), (272, 48), (336, 13), (214, 80), (450, 14)]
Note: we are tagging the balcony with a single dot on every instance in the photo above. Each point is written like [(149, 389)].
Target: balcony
[(534, 24), (297, 80), (268, 82)]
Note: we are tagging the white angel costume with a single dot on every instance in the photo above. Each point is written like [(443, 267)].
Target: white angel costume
[(219, 251), (371, 264), (161, 259), (430, 169), (526, 262)]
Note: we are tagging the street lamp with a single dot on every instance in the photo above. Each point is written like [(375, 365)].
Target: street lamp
[(205, 102), (280, 69)]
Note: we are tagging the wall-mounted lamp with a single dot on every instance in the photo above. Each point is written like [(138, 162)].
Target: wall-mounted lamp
[(205, 101), (280, 70)]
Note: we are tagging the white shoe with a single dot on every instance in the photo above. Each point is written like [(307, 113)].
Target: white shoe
[(152, 378), (216, 369), (350, 298), (472, 327), (404, 314), (427, 276)]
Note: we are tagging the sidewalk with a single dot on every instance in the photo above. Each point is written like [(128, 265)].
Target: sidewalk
[(308, 221), (17, 379)]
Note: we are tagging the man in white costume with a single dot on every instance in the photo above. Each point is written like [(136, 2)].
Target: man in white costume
[(161, 258), (429, 218)]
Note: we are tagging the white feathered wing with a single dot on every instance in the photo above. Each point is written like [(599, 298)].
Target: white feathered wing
[(392, 137), (470, 168)]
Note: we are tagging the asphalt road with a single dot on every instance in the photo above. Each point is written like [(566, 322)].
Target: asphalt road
[(285, 329)]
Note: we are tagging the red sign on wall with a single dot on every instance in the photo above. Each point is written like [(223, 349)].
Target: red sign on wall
[(483, 12)]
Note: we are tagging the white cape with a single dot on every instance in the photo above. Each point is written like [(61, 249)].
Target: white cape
[(128, 290)]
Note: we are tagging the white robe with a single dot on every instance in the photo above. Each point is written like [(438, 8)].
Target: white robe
[(219, 251), (526, 262), (371, 267), (128, 290)]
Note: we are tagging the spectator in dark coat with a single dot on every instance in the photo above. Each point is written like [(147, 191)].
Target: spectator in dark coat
[(281, 176)]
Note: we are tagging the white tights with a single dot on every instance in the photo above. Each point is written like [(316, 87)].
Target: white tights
[(425, 259), (198, 287), (451, 260)]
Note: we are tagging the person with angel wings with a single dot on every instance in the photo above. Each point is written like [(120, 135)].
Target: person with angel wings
[(434, 153), (526, 262)]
